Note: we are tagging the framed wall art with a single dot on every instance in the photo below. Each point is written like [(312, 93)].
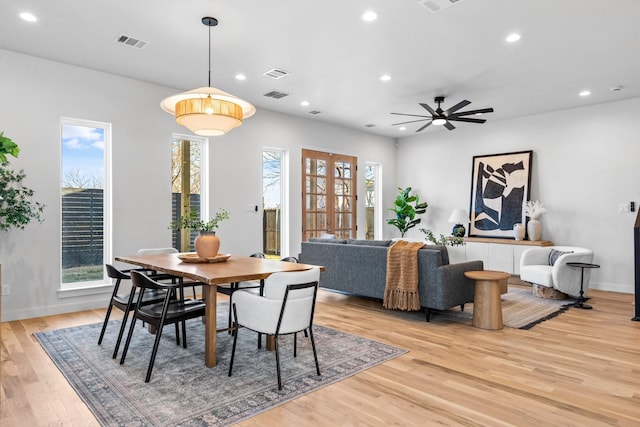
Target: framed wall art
[(499, 187)]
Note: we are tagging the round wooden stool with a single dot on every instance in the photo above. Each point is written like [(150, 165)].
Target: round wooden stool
[(487, 307)]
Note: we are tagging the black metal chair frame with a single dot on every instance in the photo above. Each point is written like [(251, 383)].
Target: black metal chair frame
[(125, 303), (237, 324), (170, 311)]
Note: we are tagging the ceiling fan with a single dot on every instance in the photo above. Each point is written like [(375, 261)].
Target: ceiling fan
[(440, 117)]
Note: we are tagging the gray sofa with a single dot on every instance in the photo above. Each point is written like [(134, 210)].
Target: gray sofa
[(359, 267)]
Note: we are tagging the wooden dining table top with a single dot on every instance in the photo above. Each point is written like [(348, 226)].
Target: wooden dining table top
[(236, 268)]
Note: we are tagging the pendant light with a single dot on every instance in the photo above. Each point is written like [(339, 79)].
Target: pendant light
[(208, 111)]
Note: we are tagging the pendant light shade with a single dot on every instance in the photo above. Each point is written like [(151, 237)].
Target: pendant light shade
[(208, 111)]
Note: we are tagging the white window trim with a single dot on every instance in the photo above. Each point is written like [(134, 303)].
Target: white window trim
[(284, 195), (66, 290), (377, 200)]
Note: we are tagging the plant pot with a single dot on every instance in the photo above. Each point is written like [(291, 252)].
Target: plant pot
[(534, 229), (207, 244)]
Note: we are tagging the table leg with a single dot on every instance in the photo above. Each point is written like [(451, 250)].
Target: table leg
[(487, 307), (581, 299), (271, 342), (210, 359)]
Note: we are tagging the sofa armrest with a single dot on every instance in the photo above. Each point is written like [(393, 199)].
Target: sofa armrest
[(452, 287)]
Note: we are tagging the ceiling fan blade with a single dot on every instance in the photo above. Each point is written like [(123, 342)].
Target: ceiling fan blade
[(471, 112), (424, 127), (412, 115), (449, 126), (467, 119), (458, 106), (413, 121), (429, 109)]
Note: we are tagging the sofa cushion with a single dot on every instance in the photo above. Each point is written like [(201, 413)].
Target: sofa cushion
[(555, 254), (368, 242), (332, 241)]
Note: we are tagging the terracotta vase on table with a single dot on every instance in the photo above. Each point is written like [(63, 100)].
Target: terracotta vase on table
[(207, 244)]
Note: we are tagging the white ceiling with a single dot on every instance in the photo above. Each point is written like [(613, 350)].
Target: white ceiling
[(336, 59)]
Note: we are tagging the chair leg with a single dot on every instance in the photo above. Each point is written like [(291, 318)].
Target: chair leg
[(129, 335), (295, 344), (153, 353), (461, 307), (235, 339), (313, 346), (184, 334), (120, 334), (177, 333), (104, 325), (428, 313), (278, 362)]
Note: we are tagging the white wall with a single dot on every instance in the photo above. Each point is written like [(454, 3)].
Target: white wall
[(36, 93), (585, 163)]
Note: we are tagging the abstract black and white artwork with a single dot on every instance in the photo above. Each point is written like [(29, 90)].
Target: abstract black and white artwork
[(499, 188)]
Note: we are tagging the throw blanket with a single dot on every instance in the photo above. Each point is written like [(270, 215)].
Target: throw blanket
[(401, 290)]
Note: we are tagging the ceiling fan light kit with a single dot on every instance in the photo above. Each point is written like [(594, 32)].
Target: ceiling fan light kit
[(440, 117), (208, 111)]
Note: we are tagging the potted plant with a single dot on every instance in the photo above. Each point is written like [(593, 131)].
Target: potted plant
[(16, 207), (206, 242), (406, 207)]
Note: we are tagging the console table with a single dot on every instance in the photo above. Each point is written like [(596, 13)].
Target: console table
[(497, 254)]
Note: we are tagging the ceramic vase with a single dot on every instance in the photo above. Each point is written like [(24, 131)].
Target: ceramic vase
[(534, 229), (207, 244), (519, 231)]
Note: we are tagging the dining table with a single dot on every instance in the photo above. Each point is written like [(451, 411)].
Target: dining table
[(235, 268)]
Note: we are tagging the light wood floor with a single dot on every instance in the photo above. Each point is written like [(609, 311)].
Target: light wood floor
[(579, 369)]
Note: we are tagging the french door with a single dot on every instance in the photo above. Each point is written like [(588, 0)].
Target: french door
[(328, 195)]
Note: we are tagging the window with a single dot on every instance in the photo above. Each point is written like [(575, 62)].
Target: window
[(188, 185), (371, 184), (85, 200), (274, 196)]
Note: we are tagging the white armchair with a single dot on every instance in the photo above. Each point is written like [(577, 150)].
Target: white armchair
[(547, 266), (286, 308)]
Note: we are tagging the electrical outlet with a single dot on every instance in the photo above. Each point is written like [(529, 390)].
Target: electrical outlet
[(6, 290)]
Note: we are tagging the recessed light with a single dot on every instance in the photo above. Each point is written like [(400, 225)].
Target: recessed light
[(305, 103), (241, 76), (385, 78), (369, 16), (29, 17), (513, 37), (585, 93)]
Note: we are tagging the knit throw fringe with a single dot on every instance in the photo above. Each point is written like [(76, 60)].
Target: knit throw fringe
[(401, 289)]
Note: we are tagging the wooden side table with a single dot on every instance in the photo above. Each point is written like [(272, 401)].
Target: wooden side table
[(487, 307)]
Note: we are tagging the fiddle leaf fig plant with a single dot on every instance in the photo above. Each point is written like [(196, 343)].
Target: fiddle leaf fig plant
[(17, 209), (406, 207)]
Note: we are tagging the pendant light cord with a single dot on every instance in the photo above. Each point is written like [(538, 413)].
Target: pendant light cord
[(209, 56)]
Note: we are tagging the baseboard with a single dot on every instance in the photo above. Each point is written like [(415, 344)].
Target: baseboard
[(31, 312)]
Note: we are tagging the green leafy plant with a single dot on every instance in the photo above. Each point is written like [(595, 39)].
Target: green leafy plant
[(406, 207), (442, 241), (194, 222), (16, 207)]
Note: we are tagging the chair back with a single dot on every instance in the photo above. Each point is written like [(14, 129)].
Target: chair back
[(290, 259), (297, 307), (142, 281), (114, 273), (275, 285), (257, 255)]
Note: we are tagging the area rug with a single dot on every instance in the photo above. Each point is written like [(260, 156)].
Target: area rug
[(520, 309), (182, 391)]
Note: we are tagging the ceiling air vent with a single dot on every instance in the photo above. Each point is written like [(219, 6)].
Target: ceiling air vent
[(130, 41), (276, 73), (314, 112), (275, 94), (437, 5), (370, 125)]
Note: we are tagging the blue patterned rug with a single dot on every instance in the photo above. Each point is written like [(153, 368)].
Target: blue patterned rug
[(182, 391)]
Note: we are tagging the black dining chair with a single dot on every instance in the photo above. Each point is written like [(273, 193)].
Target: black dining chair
[(125, 302), (170, 310)]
